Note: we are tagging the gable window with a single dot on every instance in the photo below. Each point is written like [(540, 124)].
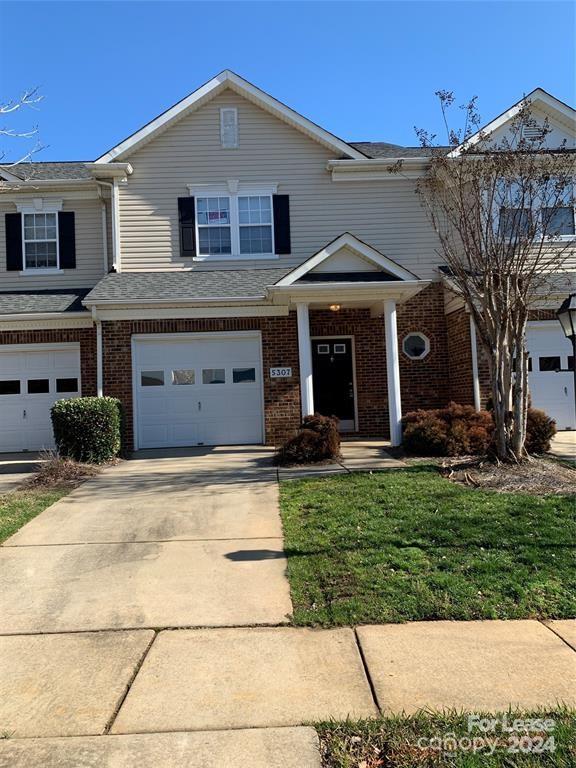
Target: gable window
[(40, 240), (229, 127)]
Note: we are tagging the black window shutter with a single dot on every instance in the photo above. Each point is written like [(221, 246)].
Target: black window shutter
[(67, 240), (13, 223), (281, 204), (187, 225)]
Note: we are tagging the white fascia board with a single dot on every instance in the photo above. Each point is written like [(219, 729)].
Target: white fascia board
[(347, 240), (33, 183), (44, 321), (243, 88), (110, 170), (322, 292), (536, 97), (387, 169)]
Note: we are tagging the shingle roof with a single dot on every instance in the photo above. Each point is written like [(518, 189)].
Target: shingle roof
[(375, 149), (63, 170), (181, 286), (30, 302)]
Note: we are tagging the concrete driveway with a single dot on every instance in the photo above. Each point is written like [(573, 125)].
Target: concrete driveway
[(15, 468), (179, 538)]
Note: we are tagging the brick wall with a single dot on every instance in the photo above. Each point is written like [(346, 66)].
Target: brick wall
[(424, 383), (85, 336), (460, 357), (279, 348)]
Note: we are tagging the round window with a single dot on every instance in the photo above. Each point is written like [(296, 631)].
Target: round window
[(416, 346)]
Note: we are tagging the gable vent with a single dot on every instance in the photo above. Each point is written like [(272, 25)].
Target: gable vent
[(533, 132), (229, 127)]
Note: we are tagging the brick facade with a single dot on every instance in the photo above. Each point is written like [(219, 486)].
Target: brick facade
[(279, 348), (460, 357), (424, 383), (85, 336)]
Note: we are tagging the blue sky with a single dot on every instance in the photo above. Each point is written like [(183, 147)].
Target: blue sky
[(363, 70)]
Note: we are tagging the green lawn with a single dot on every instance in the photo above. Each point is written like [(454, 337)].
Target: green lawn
[(408, 544), (394, 743), (18, 507)]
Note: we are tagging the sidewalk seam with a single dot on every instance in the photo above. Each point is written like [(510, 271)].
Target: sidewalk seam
[(122, 699), (367, 671), (572, 648)]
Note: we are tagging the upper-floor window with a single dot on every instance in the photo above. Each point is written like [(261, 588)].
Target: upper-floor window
[(235, 224), (40, 240), (559, 221), (554, 222)]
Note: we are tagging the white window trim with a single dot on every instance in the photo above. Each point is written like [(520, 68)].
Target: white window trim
[(233, 189), (426, 345), (40, 205)]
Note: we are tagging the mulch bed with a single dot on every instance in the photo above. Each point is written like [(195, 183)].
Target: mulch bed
[(538, 476)]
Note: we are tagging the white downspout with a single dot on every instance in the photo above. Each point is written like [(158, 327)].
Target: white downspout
[(105, 237), (99, 354), (475, 376), (115, 207)]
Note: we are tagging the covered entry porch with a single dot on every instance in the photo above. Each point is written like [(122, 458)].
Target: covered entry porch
[(346, 298)]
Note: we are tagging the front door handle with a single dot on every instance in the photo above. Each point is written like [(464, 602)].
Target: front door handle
[(199, 405)]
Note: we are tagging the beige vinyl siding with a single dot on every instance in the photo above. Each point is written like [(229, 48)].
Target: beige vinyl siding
[(89, 253), (385, 214)]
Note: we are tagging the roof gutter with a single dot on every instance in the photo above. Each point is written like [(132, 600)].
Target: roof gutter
[(173, 302), (378, 168), (43, 316)]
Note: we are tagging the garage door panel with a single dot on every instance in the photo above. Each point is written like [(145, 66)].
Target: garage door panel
[(201, 399), (550, 390), (25, 422)]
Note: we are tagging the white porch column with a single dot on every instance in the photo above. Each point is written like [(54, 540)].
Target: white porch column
[(474, 352), (393, 372), (305, 359)]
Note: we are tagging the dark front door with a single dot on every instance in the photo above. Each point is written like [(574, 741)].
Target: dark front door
[(333, 377)]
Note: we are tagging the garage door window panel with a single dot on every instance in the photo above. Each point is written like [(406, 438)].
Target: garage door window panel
[(549, 363), (184, 377), (38, 386), (10, 387), (152, 378), (213, 376), (243, 375), (67, 385)]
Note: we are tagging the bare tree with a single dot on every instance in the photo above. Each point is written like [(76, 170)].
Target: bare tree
[(27, 100), (500, 208)]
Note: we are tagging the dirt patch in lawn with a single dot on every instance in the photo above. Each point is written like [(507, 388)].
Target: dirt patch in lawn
[(537, 476)]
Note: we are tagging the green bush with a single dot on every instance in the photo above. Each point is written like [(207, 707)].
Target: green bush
[(317, 440), (87, 429)]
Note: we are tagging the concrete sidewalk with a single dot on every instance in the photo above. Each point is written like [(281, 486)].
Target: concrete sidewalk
[(15, 469)]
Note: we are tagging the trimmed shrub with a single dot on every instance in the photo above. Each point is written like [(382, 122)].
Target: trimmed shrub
[(540, 429), (456, 430), (317, 440), (459, 430), (87, 429)]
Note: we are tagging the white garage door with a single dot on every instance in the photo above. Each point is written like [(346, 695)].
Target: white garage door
[(32, 378), (551, 391), (197, 390)]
